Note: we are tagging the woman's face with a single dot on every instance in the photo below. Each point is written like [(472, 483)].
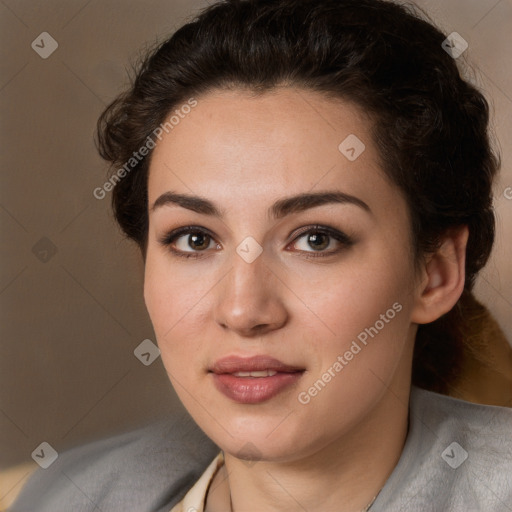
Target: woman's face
[(321, 314)]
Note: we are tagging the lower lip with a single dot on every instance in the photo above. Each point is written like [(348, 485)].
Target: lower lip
[(254, 390)]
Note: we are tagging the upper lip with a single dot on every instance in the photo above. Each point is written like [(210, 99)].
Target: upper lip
[(233, 364)]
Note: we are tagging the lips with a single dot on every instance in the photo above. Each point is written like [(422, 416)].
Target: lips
[(252, 380), (235, 364)]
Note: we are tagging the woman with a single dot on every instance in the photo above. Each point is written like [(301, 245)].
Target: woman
[(310, 184), (318, 197)]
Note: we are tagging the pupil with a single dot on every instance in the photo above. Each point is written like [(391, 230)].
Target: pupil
[(316, 241), (201, 239)]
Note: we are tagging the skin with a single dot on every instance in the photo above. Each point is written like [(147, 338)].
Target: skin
[(244, 152)]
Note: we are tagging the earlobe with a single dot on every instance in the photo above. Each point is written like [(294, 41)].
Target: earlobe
[(443, 278)]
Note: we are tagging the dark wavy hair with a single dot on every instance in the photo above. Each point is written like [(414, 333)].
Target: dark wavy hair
[(430, 125)]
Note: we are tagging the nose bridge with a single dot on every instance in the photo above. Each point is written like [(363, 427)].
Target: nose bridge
[(248, 280), (249, 297), (248, 260)]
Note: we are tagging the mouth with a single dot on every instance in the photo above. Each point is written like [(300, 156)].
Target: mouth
[(260, 373), (252, 380)]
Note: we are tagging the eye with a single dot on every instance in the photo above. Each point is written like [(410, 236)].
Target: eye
[(315, 241), (189, 241), (318, 239)]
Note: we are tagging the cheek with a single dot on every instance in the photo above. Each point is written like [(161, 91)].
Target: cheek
[(353, 295), (170, 290), (367, 313), (364, 308), (172, 302), (177, 300), (160, 294)]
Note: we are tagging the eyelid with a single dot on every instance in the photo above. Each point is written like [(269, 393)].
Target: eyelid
[(168, 237), (319, 228)]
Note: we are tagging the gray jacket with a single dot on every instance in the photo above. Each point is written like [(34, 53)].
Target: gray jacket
[(457, 458), (147, 470)]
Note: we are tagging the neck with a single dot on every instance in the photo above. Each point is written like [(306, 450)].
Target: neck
[(344, 476)]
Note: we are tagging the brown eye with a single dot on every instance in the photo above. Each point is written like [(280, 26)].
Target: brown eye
[(199, 241), (316, 239), (189, 241)]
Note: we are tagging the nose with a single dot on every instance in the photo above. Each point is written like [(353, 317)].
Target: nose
[(249, 300)]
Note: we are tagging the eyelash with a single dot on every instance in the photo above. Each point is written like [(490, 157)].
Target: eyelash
[(346, 241)]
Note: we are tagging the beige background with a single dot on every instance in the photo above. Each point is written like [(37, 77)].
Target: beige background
[(70, 324)]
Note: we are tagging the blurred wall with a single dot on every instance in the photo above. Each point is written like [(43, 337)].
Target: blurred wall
[(70, 287)]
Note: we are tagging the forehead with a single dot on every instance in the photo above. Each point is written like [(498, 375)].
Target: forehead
[(244, 147)]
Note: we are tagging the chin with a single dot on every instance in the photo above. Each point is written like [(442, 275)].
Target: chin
[(255, 440)]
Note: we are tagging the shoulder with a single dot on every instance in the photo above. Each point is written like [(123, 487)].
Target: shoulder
[(457, 456), (148, 469), (480, 427)]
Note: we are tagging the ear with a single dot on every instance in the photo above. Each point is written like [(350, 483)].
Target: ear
[(443, 276)]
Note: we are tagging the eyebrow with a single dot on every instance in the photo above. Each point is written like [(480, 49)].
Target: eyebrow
[(281, 208)]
